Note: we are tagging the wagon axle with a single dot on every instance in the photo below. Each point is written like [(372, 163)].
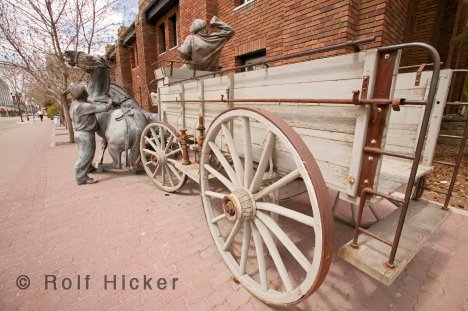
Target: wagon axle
[(239, 205)]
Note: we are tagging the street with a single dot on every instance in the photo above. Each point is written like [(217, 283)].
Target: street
[(94, 247)]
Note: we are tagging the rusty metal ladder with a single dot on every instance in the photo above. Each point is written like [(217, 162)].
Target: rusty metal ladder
[(375, 131), (455, 166)]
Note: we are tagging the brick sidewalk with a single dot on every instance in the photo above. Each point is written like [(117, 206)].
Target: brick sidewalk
[(124, 225)]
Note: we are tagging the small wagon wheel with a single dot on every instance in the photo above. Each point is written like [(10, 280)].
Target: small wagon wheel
[(160, 148), (242, 218)]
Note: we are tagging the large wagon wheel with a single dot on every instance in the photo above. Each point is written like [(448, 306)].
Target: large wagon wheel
[(160, 148), (239, 209)]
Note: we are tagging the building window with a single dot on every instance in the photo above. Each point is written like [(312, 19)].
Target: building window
[(162, 38), (252, 58), (173, 30), (238, 3)]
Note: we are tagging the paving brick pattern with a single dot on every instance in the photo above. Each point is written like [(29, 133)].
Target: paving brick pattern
[(123, 225)]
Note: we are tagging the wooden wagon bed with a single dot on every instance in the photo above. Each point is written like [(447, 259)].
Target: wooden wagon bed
[(363, 122)]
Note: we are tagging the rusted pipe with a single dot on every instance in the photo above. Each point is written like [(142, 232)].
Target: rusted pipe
[(340, 101), (388, 153), (201, 131), (183, 138)]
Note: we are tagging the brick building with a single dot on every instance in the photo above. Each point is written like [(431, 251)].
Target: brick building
[(266, 28)]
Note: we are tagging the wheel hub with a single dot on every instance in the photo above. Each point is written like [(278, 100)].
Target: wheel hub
[(158, 158), (239, 205), (162, 157)]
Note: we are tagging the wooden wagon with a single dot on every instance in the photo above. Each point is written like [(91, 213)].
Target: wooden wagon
[(265, 145)]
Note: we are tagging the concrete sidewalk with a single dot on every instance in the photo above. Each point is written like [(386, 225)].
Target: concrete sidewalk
[(123, 225)]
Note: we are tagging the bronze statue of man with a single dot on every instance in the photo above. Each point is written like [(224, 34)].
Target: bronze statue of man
[(202, 49), (82, 113)]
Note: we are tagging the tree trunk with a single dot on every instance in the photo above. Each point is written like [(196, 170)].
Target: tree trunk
[(68, 121)]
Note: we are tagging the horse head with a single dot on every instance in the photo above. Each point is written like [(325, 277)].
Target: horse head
[(83, 60)]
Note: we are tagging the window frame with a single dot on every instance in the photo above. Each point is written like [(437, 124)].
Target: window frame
[(257, 55), (239, 5), (162, 42), (173, 38)]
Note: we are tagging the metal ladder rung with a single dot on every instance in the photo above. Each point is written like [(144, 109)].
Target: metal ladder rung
[(388, 153), (434, 190), (375, 236), (394, 200), (450, 136), (443, 163)]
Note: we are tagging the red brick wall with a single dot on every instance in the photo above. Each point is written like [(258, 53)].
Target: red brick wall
[(123, 71), (148, 56), (170, 52), (284, 27), (426, 28)]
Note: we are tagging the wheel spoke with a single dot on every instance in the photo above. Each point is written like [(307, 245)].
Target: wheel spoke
[(150, 152), (174, 170), (260, 256), (173, 152), (263, 162), (277, 185), (270, 244), (155, 137), (283, 237), (232, 235), (169, 142), (220, 177), (171, 181), (286, 212), (248, 162), (245, 248), (163, 174), (218, 218), (222, 159), (215, 194), (162, 138), (234, 154), (152, 143), (156, 170)]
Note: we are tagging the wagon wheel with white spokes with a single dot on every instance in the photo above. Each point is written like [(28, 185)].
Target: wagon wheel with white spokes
[(160, 151), (281, 252)]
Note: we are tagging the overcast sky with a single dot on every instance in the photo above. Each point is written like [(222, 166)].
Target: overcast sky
[(127, 10)]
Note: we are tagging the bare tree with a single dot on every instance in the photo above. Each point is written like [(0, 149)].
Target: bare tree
[(34, 34)]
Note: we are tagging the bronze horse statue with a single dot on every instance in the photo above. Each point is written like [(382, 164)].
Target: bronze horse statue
[(120, 128)]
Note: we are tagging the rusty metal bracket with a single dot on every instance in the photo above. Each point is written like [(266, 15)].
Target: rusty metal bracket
[(396, 102), (374, 112), (377, 118), (365, 86), (356, 100), (418, 74)]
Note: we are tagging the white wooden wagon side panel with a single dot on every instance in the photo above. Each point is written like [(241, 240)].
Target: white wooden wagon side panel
[(328, 130), (404, 127)]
